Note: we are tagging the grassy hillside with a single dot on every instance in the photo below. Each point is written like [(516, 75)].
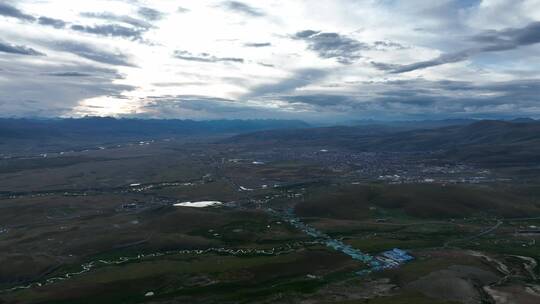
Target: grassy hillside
[(420, 201), (495, 143)]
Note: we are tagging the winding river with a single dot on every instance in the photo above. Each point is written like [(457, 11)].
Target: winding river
[(86, 267)]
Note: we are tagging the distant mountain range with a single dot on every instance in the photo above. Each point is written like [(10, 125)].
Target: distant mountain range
[(487, 141), (412, 124), (29, 136), (107, 127)]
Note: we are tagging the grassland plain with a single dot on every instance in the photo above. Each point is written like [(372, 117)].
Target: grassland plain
[(115, 203)]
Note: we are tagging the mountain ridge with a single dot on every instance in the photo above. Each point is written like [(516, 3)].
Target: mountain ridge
[(486, 141)]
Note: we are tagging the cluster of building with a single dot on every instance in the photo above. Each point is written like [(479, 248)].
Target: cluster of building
[(388, 167), (393, 258), (385, 260)]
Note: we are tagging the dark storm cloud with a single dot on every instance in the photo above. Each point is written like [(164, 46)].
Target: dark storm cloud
[(512, 37), (258, 45), (408, 99), (92, 53), (150, 13), (118, 18), (443, 59), (243, 8), (18, 49), (332, 45), (56, 23), (489, 41), (519, 90), (68, 74), (113, 30), (384, 66), (300, 79), (305, 34), (466, 97), (464, 93), (11, 11), (204, 57), (84, 70), (418, 98)]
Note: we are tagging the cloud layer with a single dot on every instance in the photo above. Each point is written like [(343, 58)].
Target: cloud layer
[(11, 11), (332, 45), (489, 41), (18, 49), (328, 60)]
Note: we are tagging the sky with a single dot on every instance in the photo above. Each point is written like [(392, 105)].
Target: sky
[(324, 60)]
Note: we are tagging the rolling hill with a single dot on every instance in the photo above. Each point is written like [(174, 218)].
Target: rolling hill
[(487, 141)]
